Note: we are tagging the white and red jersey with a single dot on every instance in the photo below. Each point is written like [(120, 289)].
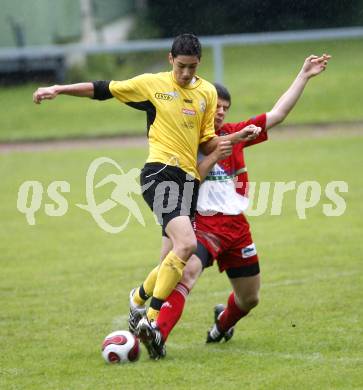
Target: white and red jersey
[(225, 189)]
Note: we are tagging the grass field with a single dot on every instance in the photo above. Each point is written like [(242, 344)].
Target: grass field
[(256, 76), (64, 283)]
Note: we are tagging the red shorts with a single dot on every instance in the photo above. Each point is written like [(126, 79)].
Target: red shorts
[(228, 239)]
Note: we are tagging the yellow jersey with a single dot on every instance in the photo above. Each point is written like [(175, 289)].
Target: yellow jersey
[(178, 118)]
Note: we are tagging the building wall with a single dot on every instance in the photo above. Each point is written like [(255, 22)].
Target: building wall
[(45, 22)]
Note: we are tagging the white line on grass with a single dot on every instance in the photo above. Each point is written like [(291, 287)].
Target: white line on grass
[(312, 357), (290, 282)]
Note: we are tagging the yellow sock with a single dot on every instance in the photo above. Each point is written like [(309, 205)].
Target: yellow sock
[(152, 314), (169, 275), (145, 291)]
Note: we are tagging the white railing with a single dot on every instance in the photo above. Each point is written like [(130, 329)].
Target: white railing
[(215, 42)]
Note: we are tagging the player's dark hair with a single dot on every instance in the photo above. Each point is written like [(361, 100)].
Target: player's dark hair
[(186, 45), (223, 93)]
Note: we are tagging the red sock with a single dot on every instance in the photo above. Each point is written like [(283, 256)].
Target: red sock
[(230, 315), (171, 310)]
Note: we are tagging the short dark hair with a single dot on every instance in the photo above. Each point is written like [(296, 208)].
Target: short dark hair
[(186, 45), (223, 93)]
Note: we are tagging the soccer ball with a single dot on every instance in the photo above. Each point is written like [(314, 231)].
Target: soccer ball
[(121, 346)]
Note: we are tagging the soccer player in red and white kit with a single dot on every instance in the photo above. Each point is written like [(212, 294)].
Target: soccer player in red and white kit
[(222, 230)]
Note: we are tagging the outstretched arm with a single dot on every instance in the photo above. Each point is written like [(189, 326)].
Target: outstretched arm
[(49, 93), (313, 66), (248, 133)]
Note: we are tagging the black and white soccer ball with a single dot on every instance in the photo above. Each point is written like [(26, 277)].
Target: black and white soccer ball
[(121, 346)]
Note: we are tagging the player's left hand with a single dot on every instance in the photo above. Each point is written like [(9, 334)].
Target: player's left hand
[(314, 65), (249, 133)]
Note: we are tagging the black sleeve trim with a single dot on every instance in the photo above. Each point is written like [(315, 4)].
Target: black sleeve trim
[(101, 90)]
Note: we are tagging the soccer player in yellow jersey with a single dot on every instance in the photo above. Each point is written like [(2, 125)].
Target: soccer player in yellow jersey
[(180, 108)]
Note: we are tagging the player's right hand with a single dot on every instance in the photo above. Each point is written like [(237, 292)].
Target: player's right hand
[(314, 65), (249, 133), (44, 93), (223, 150)]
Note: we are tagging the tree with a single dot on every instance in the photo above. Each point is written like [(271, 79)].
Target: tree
[(214, 17)]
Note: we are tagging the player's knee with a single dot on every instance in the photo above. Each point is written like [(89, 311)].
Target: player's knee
[(251, 301), (248, 302), (190, 276), (192, 246), (186, 247)]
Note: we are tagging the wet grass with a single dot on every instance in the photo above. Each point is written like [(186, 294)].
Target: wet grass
[(64, 282), (256, 76)]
